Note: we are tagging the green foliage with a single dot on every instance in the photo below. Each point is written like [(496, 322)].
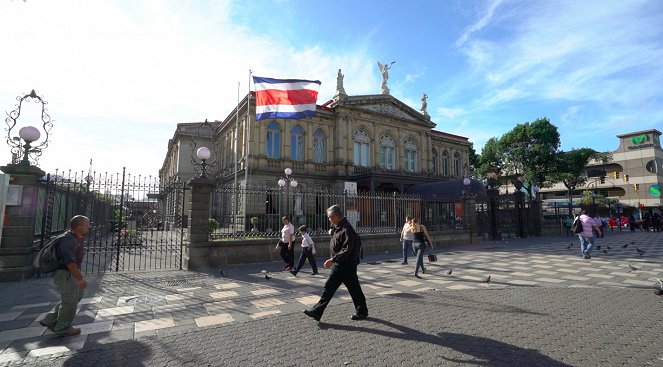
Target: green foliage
[(489, 163), (213, 225), (529, 150)]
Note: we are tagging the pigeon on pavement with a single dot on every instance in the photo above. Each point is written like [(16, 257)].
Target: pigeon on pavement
[(625, 246), (449, 272), (641, 252), (568, 247), (487, 281), (631, 267), (609, 248), (605, 251), (267, 277)]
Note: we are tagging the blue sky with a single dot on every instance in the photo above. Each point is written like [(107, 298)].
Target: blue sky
[(119, 75)]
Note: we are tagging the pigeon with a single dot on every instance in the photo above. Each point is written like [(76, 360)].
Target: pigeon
[(267, 277), (568, 247), (625, 246), (487, 281), (605, 251), (631, 267), (609, 248), (598, 247), (571, 244), (641, 252), (449, 272), (633, 243)]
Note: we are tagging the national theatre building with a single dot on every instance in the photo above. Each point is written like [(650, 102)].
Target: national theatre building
[(375, 142)]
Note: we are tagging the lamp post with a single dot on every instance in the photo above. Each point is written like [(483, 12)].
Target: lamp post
[(27, 145), (203, 153), (288, 181)]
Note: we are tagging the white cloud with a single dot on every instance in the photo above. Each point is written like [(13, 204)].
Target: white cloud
[(119, 76)]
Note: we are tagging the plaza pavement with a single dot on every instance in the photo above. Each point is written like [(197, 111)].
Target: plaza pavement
[(544, 306)]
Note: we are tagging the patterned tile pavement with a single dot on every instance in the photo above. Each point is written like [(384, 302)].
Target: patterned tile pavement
[(131, 306)]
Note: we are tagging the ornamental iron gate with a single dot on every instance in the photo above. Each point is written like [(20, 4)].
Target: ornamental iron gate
[(137, 223)]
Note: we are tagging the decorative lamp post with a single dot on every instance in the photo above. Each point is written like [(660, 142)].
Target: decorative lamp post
[(27, 145), (203, 153), (287, 182)]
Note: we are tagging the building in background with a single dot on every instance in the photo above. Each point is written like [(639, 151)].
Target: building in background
[(633, 177), (375, 141)]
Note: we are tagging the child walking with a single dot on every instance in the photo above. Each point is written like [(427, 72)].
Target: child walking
[(308, 249)]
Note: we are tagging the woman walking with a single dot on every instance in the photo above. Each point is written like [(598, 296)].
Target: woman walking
[(420, 237)]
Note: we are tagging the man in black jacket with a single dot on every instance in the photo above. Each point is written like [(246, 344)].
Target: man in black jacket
[(346, 252)]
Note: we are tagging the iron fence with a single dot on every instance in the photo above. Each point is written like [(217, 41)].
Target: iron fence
[(136, 221), (257, 212)]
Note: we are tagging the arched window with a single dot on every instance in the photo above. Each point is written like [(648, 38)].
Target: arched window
[(319, 148), (410, 155), (434, 166), (445, 163), (457, 164), (387, 153), (297, 144), (273, 140), (361, 148)]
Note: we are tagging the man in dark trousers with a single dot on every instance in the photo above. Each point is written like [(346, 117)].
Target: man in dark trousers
[(346, 252), (68, 279)]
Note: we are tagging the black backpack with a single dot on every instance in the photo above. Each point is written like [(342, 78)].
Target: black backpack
[(47, 260), (576, 227)]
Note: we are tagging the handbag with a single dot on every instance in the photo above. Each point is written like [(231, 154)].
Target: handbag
[(432, 258)]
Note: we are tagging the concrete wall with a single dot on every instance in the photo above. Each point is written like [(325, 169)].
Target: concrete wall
[(255, 251)]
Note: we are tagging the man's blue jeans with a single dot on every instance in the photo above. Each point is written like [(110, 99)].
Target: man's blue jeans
[(62, 315), (585, 241), (407, 247)]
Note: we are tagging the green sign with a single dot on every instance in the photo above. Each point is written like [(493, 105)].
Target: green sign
[(640, 139), (655, 190)]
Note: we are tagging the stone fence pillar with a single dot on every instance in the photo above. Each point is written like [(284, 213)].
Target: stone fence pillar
[(196, 255), (18, 248)]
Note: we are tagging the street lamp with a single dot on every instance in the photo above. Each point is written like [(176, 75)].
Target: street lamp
[(26, 145), (287, 182), (203, 153)]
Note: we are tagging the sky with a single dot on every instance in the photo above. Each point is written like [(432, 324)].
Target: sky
[(119, 75)]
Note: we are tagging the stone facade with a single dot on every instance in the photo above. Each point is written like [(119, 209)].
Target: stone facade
[(376, 141)]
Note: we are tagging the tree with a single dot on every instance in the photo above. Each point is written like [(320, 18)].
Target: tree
[(569, 169), (529, 151), (489, 163)]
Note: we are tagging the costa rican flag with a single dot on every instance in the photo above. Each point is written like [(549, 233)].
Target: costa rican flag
[(285, 98)]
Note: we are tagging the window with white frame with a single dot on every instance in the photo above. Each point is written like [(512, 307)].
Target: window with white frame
[(410, 155), (445, 163), (361, 148), (297, 144), (273, 140), (457, 164), (319, 149), (387, 153)]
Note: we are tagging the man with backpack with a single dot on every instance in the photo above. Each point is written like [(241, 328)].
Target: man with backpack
[(68, 279)]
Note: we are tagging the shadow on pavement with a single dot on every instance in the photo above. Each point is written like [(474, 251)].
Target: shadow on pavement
[(484, 351), (120, 353)]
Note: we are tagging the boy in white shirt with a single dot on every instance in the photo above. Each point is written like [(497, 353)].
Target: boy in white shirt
[(308, 250)]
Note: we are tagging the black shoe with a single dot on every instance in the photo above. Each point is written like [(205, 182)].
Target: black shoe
[(312, 315), (417, 276), (359, 316), (293, 272), (588, 256), (423, 270), (315, 273)]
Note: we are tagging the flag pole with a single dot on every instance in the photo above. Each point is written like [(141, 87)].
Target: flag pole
[(236, 156), (247, 133)]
